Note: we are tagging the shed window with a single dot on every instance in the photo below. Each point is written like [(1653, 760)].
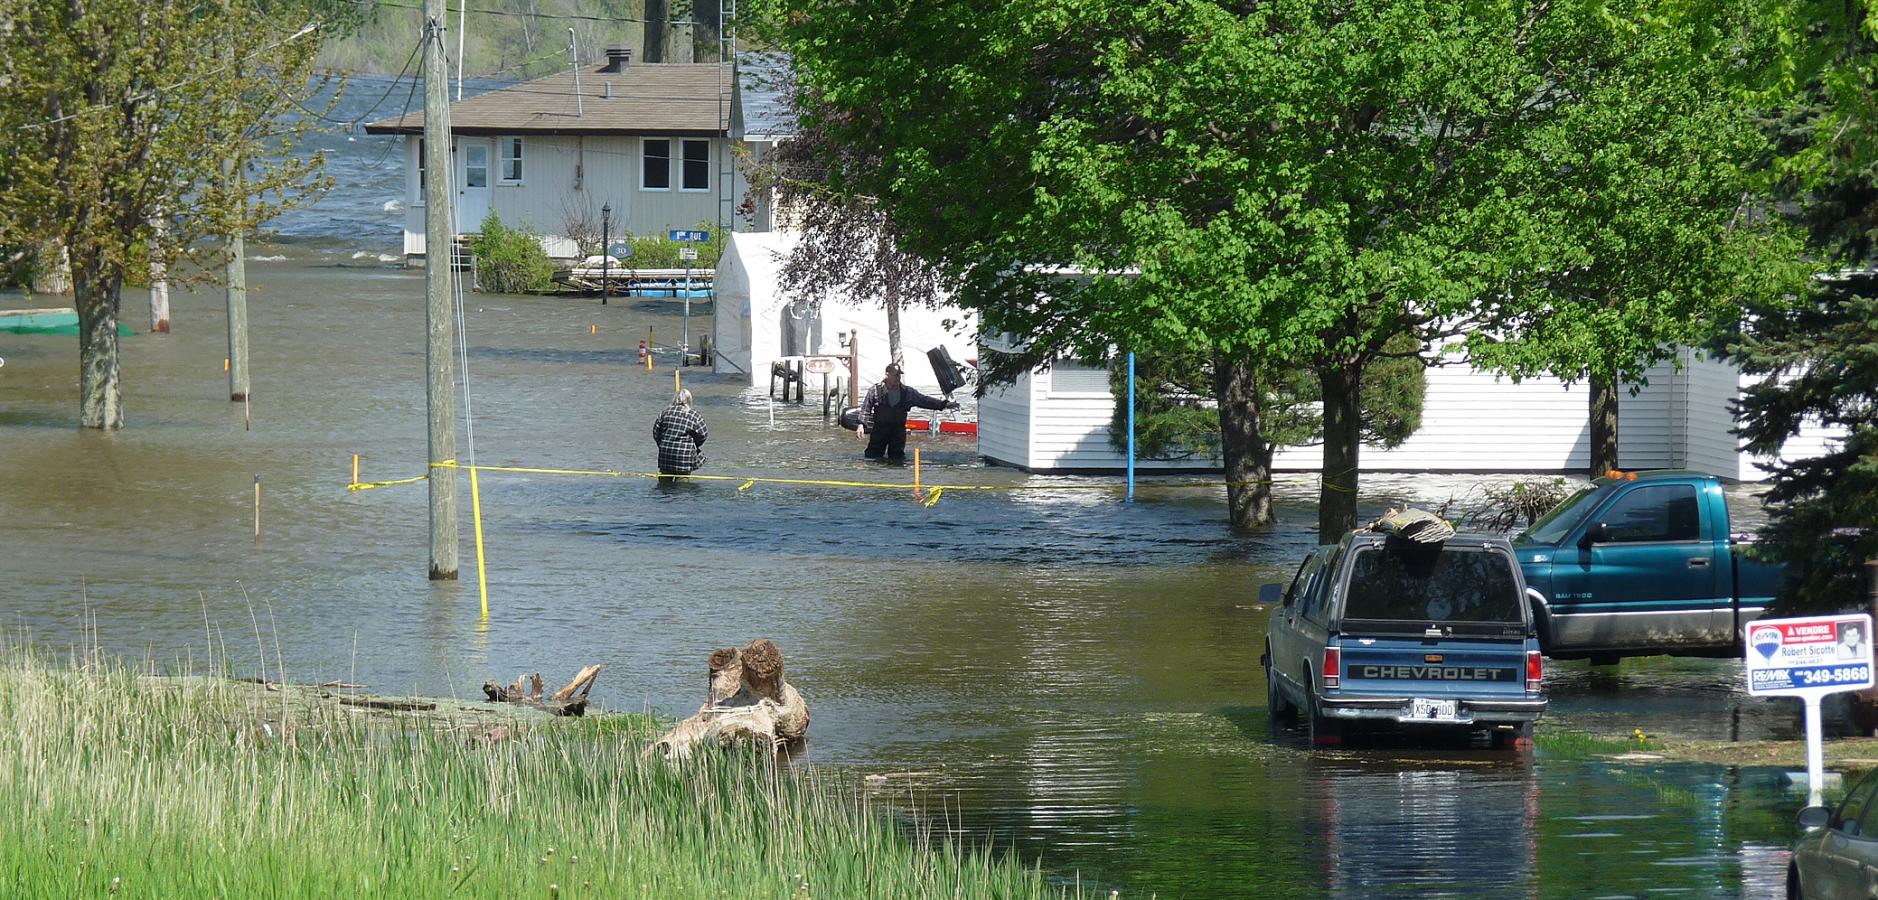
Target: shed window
[(419, 199), (697, 172), (1075, 378), (655, 165), (511, 171)]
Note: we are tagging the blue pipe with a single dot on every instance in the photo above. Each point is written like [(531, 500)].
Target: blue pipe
[(1131, 427)]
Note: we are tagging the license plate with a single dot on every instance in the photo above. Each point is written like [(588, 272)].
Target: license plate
[(1436, 710)]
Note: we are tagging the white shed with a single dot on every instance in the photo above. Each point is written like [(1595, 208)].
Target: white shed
[(1472, 421), (754, 325)]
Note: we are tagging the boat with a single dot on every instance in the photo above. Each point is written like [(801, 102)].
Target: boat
[(630, 282), (46, 321)]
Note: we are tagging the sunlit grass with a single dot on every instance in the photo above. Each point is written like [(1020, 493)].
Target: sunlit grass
[(112, 782), (1579, 745)]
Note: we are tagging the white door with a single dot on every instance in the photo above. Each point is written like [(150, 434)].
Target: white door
[(472, 188)]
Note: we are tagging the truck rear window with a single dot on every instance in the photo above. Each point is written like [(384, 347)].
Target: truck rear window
[(1433, 583)]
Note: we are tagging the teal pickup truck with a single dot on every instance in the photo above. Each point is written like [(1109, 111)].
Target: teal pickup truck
[(1639, 565)]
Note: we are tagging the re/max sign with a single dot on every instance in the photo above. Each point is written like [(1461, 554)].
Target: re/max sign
[(1436, 673)]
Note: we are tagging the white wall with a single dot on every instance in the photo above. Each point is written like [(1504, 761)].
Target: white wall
[(750, 308), (1471, 422), (570, 176)]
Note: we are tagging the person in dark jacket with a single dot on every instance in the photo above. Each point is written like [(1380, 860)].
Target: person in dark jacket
[(680, 433), (883, 415)]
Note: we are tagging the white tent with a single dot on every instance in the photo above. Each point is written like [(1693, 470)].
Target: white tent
[(755, 325)]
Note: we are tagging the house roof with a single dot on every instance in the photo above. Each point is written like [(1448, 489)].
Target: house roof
[(763, 86), (655, 98)]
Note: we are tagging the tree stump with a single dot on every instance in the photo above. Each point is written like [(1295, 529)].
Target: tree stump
[(748, 701)]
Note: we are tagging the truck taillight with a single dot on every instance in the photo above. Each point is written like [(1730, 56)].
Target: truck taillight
[(1535, 670), (1333, 667)]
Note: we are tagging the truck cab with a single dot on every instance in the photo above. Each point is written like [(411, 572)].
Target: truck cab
[(1377, 630), (1642, 564)]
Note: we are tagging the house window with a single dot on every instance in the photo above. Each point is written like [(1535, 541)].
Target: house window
[(655, 164), (1075, 378), (511, 171), (697, 166), (419, 199)]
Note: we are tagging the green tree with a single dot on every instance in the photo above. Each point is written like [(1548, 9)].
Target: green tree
[(1177, 418), (1818, 357), (1282, 184), (114, 110), (1663, 233)]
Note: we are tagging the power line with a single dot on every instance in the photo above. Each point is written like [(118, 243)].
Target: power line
[(572, 17)]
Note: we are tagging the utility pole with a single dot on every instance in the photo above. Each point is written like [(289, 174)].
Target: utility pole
[(439, 292), (237, 277)]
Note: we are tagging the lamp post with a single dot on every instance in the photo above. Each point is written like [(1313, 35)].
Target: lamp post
[(606, 248)]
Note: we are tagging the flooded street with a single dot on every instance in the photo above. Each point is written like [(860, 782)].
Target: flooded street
[(1051, 671), (1054, 671)]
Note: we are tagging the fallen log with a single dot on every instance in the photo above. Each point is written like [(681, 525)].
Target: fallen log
[(748, 701), (381, 703), (526, 691)]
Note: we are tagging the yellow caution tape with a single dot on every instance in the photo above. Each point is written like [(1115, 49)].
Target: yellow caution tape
[(933, 497)]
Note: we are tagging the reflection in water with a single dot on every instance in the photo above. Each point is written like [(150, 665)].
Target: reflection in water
[(1054, 672)]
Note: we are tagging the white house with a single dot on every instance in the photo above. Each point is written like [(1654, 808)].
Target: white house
[(657, 143), (1058, 420), (754, 324)]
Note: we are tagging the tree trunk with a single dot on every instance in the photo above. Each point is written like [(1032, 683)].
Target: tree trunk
[(100, 399), (893, 330), (1343, 440), (159, 279), (707, 31), (1603, 423), (1248, 457), (657, 29)]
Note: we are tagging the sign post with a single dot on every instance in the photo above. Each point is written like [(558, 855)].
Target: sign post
[(688, 254), (1810, 658)]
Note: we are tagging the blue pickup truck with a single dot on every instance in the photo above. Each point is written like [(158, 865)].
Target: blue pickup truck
[(1642, 564), (1376, 630)]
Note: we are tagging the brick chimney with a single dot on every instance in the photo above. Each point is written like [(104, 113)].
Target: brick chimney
[(617, 58)]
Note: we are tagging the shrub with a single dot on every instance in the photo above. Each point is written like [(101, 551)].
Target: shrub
[(510, 260)]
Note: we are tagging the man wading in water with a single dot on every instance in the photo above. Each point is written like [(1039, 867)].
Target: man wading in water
[(884, 413), (680, 432)]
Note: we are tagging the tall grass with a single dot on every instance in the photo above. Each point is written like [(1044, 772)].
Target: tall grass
[(113, 782)]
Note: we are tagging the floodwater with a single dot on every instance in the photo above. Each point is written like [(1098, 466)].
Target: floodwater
[(1059, 673)]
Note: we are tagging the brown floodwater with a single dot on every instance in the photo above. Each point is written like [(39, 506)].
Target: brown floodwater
[(1057, 672)]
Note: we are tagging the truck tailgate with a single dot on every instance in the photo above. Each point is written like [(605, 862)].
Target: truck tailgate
[(1447, 668)]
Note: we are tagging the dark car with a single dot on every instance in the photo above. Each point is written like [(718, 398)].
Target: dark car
[(1379, 630), (1837, 856)]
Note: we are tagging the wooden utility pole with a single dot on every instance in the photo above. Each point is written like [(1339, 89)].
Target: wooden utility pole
[(439, 292), (237, 312)]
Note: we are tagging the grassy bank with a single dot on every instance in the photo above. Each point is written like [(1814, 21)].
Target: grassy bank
[(118, 783)]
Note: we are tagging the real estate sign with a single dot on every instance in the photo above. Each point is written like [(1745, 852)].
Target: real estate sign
[(1809, 658), (1816, 655)]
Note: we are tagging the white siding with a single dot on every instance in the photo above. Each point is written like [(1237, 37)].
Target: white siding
[(1471, 422), (1004, 422), (567, 178)]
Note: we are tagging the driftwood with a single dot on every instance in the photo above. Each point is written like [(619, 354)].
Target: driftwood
[(747, 701), (382, 703), (526, 691)]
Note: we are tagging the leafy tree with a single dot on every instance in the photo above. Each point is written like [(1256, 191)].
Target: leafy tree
[(1176, 417), (1663, 232), (1282, 184), (113, 110), (849, 246), (1818, 358)]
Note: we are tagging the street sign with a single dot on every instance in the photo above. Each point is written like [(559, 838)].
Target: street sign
[(687, 253), (820, 365), (1809, 658), (620, 250), (682, 235), (1815, 655)]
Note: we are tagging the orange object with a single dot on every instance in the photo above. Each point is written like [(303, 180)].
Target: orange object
[(593, 329), (224, 363)]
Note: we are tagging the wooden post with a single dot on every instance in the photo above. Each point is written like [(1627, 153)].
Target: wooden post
[(854, 369), (237, 277), (439, 291)]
